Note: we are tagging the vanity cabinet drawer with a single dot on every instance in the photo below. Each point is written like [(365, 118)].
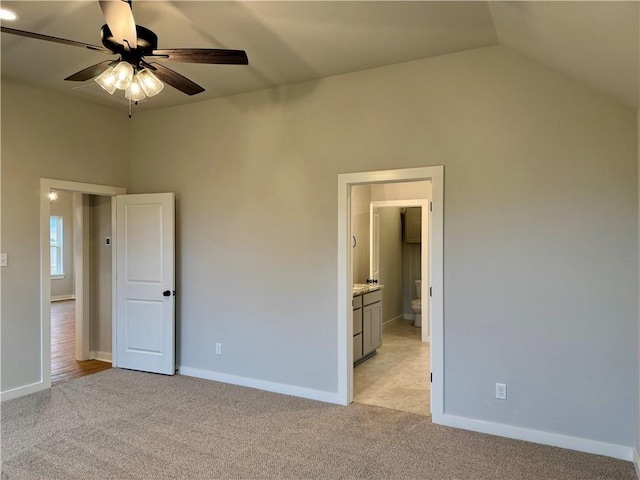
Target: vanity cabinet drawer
[(357, 301), (372, 297), (357, 321)]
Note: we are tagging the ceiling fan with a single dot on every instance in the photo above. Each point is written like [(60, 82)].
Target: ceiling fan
[(135, 72)]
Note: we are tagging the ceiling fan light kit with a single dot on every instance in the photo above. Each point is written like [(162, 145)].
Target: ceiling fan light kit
[(132, 72), (149, 82), (136, 86), (107, 80), (134, 92), (122, 75)]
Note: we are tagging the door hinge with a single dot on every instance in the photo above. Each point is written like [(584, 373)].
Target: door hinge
[(431, 378), (431, 206), (431, 291)]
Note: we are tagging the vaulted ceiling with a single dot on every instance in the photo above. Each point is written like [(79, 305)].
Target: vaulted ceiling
[(595, 42)]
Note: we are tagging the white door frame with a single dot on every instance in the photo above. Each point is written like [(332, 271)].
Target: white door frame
[(425, 237), (46, 185), (81, 275), (345, 276)]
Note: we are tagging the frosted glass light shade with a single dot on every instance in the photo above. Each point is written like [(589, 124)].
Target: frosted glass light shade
[(123, 73), (149, 83), (134, 92), (107, 80)]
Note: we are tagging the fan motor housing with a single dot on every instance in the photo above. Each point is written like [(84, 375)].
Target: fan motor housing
[(147, 42)]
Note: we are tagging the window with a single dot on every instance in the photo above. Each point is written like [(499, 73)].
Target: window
[(55, 229)]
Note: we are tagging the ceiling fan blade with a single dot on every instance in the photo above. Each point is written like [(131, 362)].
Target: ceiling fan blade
[(90, 72), (119, 18), (48, 38), (203, 55), (174, 79)]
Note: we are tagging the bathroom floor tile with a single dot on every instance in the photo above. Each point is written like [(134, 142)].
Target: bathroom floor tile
[(398, 376)]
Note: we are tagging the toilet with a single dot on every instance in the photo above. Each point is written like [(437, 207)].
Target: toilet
[(416, 305)]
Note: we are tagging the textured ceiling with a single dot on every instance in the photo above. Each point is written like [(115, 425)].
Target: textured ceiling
[(294, 41)]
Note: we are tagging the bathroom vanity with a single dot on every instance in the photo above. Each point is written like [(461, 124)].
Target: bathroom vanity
[(367, 321)]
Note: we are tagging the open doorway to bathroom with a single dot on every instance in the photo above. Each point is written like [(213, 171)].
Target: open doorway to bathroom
[(347, 345), (387, 222)]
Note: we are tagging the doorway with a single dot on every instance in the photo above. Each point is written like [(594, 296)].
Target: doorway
[(77, 224), (434, 269), (82, 279), (397, 376)]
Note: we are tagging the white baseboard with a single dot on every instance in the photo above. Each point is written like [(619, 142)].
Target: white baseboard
[(537, 436), (636, 462), (320, 395), (60, 298), (102, 356), (22, 391), (393, 320)]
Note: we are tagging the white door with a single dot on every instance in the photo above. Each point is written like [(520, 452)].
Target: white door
[(374, 236), (145, 287)]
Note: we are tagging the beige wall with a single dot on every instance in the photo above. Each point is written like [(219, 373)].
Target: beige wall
[(540, 239), (100, 271), (63, 206), (52, 136), (540, 218)]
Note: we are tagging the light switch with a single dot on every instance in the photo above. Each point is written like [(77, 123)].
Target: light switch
[(3, 259)]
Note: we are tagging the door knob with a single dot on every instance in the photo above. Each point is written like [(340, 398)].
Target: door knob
[(167, 293)]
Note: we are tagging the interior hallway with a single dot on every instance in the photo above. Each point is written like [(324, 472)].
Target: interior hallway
[(398, 376), (63, 346)]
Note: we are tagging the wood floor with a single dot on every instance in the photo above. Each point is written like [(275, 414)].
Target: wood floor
[(63, 346)]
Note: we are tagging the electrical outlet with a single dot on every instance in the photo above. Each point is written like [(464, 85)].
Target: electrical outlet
[(218, 349), (501, 391), (3, 259)]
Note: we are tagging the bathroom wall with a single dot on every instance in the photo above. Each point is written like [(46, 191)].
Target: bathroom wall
[(360, 200), (391, 262), (63, 288), (411, 254)]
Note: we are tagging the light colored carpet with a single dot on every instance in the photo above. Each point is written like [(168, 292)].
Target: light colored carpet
[(121, 424)]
